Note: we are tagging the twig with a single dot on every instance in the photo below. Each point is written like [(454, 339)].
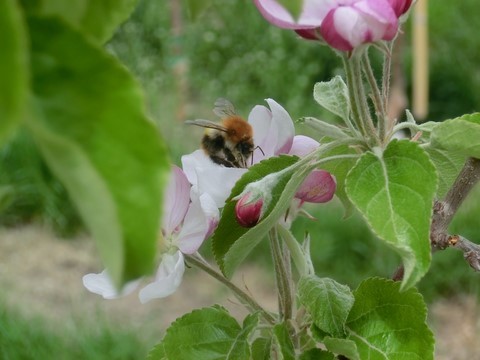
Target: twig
[(443, 213)]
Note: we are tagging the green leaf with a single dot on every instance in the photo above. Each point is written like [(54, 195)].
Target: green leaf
[(394, 191), (284, 341), (231, 242), (458, 135), (327, 301), (88, 120), (13, 67), (208, 333), (317, 354), (261, 349), (389, 324), (344, 347), (97, 18), (448, 165), (294, 7), (157, 353), (333, 96), (323, 128)]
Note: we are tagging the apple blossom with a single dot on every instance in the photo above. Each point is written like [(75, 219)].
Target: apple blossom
[(188, 220), (318, 187), (343, 24)]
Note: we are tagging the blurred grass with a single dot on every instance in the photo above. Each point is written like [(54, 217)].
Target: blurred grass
[(230, 51), (35, 338)]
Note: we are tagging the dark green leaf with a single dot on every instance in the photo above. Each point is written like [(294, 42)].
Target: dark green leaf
[(317, 354), (327, 301), (344, 347), (284, 342), (231, 242), (13, 67), (97, 18), (389, 324), (261, 349), (394, 191), (88, 121), (207, 334)]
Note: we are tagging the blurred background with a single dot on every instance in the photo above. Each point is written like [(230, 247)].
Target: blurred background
[(184, 65)]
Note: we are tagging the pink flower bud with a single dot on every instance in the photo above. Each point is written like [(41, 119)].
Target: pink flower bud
[(318, 187), (248, 213), (400, 6)]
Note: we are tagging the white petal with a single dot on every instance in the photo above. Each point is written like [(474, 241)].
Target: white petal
[(167, 280), (194, 228), (261, 118), (101, 284), (282, 126), (177, 199), (303, 145), (191, 161)]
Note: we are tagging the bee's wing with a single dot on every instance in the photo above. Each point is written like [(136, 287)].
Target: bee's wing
[(223, 108), (206, 124)]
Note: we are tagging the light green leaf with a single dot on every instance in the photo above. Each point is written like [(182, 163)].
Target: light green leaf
[(323, 128), (209, 333), (458, 135), (333, 96), (97, 18), (344, 347), (13, 67), (394, 191), (87, 119), (284, 342), (448, 165), (389, 324), (327, 302), (294, 7), (231, 242), (157, 353)]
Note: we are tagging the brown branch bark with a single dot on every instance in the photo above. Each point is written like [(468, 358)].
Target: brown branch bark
[(445, 210)]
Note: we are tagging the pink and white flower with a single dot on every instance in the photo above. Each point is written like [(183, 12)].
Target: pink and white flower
[(187, 222), (343, 24)]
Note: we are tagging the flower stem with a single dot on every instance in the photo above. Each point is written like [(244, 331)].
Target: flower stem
[(377, 97), (246, 299), (285, 298)]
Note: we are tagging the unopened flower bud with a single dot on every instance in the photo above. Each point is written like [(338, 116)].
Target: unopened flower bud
[(318, 187), (248, 212)]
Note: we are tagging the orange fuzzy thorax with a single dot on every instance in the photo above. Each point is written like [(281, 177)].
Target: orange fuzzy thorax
[(238, 129)]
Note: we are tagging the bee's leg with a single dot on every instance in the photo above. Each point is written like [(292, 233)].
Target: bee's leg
[(221, 161), (231, 158)]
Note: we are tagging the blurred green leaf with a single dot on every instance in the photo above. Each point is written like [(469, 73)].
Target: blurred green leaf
[(317, 354), (231, 242), (88, 121), (13, 67), (195, 7), (157, 353), (261, 348), (294, 7), (98, 18), (327, 301), (389, 324), (394, 191), (207, 334)]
